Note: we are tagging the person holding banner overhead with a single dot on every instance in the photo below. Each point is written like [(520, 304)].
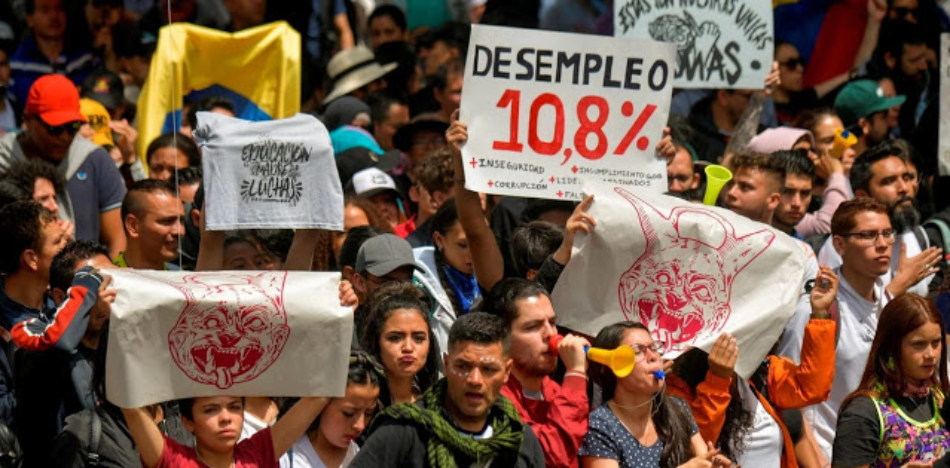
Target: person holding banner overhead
[(215, 422), (747, 418), (640, 425)]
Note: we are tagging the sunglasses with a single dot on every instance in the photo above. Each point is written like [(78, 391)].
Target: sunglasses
[(793, 63), (903, 12), (71, 127)]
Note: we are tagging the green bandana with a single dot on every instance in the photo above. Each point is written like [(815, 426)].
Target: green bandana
[(444, 438)]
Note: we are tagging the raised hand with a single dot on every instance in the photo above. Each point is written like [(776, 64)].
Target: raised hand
[(723, 356), (824, 292)]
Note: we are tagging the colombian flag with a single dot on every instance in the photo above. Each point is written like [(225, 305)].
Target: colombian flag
[(258, 69)]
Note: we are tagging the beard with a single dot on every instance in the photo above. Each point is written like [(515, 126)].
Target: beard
[(904, 217)]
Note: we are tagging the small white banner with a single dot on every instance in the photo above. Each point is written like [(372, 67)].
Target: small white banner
[(688, 272), (547, 110), (180, 335), (719, 43), (269, 174)]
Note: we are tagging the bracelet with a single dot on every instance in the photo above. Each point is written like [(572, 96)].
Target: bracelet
[(576, 373)]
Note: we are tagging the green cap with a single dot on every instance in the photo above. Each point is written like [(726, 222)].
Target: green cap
[(862, 98)]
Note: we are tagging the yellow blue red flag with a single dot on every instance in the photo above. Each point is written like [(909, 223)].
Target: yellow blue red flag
[(258, 69)]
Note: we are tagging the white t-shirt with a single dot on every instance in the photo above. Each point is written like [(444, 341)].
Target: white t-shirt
[(764, 442), (302, 455), (252, 426), (857, 324)]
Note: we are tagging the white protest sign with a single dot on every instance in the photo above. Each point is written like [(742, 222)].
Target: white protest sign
[(688, 272), (943, 143), (719, 43), (182, 334), (547, 110), (269, 174)]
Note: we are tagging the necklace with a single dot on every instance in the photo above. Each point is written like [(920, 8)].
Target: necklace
[(202, 460)]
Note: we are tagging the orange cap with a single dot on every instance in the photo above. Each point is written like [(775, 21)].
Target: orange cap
[(55, 99)]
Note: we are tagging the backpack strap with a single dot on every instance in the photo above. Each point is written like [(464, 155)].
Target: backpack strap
[(95, 436), (922, 239), (943, 228)]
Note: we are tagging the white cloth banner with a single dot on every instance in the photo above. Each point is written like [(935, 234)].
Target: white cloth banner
[(547, 110), (943, 148), (269, 174), (688, 272), (183, 334), (719, 44)]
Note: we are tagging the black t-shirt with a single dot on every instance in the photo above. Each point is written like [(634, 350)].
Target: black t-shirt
[(858, 437)]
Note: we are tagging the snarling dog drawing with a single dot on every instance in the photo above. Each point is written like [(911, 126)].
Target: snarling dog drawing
[(681, 286), (233, 327)]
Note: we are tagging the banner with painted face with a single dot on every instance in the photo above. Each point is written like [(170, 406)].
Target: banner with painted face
[(719, 43), (271, 174), (688, 272), (249, 333), (548, 110)]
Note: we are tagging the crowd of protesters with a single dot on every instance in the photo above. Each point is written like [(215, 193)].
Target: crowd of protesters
[(455, 360)]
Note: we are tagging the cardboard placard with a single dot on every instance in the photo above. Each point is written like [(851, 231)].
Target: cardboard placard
[(547, 110)]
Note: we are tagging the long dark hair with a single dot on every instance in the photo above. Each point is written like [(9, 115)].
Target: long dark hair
[(381, 304), (671, 419), (446, 217), (883, 375), (692, 367)]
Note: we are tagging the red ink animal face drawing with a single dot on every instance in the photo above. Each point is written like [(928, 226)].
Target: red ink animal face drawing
[(681, 286), (232, 329)]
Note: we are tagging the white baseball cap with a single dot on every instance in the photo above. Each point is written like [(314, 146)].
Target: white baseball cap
[(372, 181)]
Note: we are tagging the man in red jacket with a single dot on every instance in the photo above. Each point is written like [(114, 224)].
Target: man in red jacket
[(557, 413)]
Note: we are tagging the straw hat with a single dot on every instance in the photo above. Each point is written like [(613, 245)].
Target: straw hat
[(353, 68)]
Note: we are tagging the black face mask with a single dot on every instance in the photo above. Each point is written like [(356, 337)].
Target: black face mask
[(3, 92)]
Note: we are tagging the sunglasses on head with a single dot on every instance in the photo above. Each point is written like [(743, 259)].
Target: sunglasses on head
[(71, 127), (793, 63)]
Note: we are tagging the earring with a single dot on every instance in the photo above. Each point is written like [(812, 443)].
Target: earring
[(889, 364)]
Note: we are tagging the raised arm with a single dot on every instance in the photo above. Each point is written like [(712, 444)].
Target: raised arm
[(148, 438), (748, 124), (486, 256), (797, 386), (210, 249), (289, 428), (65, 327), (300, 255)]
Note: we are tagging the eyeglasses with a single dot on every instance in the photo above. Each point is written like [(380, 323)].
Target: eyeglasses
[(870, 237), (640, 350), (793, 63), (903, 12), (71, 127), (681, 178)]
